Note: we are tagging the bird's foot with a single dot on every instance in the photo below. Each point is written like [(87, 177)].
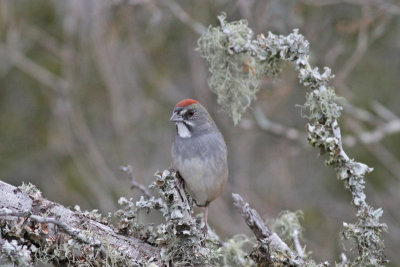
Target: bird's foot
[(205, 230), (180, 188), (181, 182)]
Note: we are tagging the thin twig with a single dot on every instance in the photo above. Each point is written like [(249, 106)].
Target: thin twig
[(275, 128), (383, 111), (184, 17), (296, 242), (344, 260), (34, 70), (361, 48), (386, 6), (374, 136), (134, 184), (380, 152)]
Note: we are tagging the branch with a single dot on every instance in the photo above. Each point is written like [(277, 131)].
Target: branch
[(27, 202), (180, 237), (33, 69), (297, 243), (377, 134), (73, 232), (274, 249), (184, 17), (256, 224), (134, 184), (278, 129)]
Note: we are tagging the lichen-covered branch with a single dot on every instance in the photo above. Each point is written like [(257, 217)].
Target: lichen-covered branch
[(238, 62), (179, 237), (30, 231), (288, 226), (73, 232), (257, 225), (12, 252), (272, 251), (34, 229)]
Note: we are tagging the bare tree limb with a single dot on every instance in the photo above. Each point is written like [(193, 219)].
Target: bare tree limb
[(275, 128), (272, 243), (134, 184), (184, 17)]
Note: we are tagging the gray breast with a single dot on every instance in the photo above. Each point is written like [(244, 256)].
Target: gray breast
[(202, 162)]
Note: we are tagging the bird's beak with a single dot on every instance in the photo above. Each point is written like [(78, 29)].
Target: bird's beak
[(175, 117)]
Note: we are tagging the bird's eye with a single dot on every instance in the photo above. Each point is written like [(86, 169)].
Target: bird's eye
[(190, 113)]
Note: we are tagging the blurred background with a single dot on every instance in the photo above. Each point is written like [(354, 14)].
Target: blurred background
[(89, 86)]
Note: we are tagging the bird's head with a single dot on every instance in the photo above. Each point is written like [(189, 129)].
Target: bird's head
[(191, 119)]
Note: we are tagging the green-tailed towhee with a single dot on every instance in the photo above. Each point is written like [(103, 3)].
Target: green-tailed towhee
[(199, 153)]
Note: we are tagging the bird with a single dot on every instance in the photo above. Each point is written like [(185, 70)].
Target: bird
[(199, 154)]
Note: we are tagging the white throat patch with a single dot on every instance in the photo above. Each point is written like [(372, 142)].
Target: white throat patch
[(183, 130)]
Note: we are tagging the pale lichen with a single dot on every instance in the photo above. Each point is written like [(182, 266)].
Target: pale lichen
[(28, 238), (180, 236), (31, 190), (287, 225), (238, 63), (236, 73), (19, 255), (234, 254)]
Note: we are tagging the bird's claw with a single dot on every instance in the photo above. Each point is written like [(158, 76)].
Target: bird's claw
[(181, 182), (205, 230)]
